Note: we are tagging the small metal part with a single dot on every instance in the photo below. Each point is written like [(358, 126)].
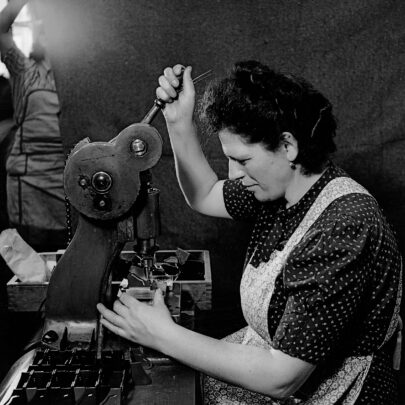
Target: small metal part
[(101, 182), (139, 147), (102, 202), (100, 339), (82, 182), (50, 337)]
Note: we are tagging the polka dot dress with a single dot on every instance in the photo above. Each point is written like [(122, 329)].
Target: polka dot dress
[(337, 292)]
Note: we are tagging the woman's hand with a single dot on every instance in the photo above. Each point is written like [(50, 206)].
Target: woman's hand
[(136, 321), (180, 106)]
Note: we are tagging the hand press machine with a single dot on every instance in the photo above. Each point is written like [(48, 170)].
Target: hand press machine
[(109, 184)]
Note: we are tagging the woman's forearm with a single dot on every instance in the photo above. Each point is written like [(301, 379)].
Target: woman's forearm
[(194, 174), (264, 370), (10, 13), (267, 371)]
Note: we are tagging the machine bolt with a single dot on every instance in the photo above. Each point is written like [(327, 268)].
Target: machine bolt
[(101, 182), (139, 147), (101, 203)]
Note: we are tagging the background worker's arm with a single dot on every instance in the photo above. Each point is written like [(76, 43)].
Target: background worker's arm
[(7, 16), (198, 182)]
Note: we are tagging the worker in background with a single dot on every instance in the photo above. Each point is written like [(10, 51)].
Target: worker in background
[(35, 195)]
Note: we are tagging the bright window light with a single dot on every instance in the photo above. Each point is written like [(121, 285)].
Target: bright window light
[(22, 33)]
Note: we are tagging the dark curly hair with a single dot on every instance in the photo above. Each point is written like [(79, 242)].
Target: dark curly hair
[(260, 104)]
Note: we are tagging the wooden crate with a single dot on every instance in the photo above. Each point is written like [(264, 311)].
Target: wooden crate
[(30, 297)]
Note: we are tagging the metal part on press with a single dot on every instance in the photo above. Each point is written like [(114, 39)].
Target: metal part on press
[(101, 182), (139, 147)]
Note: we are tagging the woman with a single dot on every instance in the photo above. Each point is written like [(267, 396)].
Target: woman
[(321, 287)]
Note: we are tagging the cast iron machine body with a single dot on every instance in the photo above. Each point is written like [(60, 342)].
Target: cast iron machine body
[(108, 184)]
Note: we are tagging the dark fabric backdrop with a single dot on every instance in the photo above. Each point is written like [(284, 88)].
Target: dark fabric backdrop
[(108, 54)]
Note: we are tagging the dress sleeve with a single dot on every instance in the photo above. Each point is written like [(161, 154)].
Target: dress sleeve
[(326, 278), (239, 202), (16, 62)]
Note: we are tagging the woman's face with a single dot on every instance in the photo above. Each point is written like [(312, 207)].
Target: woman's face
[(264, 173)]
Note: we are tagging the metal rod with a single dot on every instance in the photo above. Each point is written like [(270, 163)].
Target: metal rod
[(160, 104), (202, 76)]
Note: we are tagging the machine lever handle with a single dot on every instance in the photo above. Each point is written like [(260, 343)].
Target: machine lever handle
[(159, 104)]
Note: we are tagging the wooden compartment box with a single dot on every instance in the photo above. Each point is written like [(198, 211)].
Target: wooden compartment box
[(196, 291)]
